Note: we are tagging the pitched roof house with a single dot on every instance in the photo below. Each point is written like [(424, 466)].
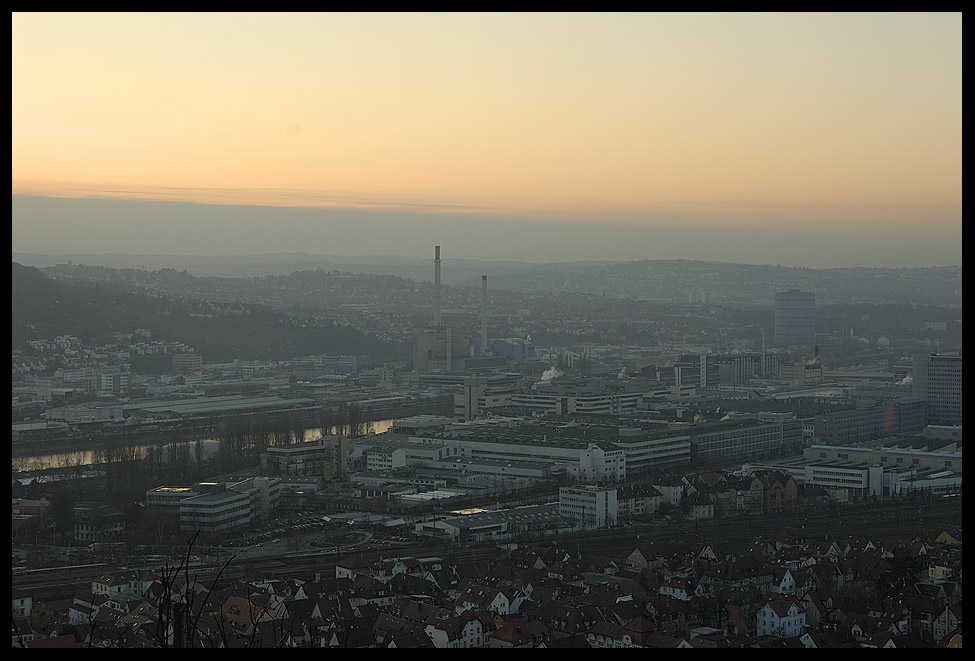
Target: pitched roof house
[(783, 617)]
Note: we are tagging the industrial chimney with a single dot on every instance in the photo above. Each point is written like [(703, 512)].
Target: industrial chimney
[(483, 315), (436, 290), (763, 353)]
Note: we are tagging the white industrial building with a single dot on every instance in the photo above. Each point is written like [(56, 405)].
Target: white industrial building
[(894, 468), (588, 507)]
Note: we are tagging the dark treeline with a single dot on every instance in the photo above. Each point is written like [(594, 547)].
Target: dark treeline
[(240, 443), (130, 469), (243, 440)]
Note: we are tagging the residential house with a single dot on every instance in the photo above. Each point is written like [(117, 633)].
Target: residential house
[(86, 606), (482, 597), (56, 642), (951, 640), (900, 616), (565, 572), (896, 641), (735, 624), (737, 496), (21, 632), (520, 632), (684, 589), (565, 619), (405, 584), (240, 614), (22, 602), (643, 558), (817, 607), (575, 641), (779, 491), (782, 617), (463, 631), (741, 571), (671, 489), (444, 580), (368, 590), (97, 522), (637, 501), (135, 582), (924, 611), (783, 582), (709, 552), (948, 620), (638, 630), (862, 626), (763, 548), (411, 641), (609, 635), (388, 627), (661, 640), (949, 537), (805, 581), (698, 507)]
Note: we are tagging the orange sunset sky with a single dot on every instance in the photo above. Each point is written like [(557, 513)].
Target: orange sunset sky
[(781, 127)]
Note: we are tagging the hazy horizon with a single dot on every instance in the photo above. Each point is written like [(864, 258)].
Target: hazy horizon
[(805, 139), (64, 226)]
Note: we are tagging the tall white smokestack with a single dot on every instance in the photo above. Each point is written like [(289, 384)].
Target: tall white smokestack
[(436, 289), (483, 315)]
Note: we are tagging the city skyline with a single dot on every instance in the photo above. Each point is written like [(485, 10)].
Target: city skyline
[(816, 140)]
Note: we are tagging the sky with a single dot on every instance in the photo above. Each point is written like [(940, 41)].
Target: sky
[(814, 140)]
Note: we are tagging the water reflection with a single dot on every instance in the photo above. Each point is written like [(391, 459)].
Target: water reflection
[(87, 457)]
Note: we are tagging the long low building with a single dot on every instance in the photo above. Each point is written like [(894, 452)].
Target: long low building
[(766, 436), (885, 470), (585, 450), (212, 406), (485, 525), (893, 453), (588, 452), (535, 470)]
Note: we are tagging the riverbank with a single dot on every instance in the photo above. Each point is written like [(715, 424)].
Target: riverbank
[(42, 454)]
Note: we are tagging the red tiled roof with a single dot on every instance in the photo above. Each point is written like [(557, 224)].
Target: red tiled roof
[(68, 640)]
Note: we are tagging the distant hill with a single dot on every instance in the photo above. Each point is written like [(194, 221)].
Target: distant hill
[(43, 308), (676, 281), (455, 272), (696, 281)]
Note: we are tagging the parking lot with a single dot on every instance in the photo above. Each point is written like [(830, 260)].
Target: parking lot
[(303, 532)]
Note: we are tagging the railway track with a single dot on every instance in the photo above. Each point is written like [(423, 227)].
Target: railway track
[(877, 522)]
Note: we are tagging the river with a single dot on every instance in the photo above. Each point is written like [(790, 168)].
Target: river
[(87, 457)]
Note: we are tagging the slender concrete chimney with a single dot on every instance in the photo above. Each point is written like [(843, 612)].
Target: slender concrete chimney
[(763, 353), (436, 289), (483, 315)]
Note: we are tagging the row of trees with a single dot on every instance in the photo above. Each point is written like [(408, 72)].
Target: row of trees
[(242, 440), (130, 467)]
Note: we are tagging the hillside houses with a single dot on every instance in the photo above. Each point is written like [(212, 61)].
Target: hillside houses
[(753, 593)]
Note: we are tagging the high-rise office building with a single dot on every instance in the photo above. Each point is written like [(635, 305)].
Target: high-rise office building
[(795, 317), (937, 379)]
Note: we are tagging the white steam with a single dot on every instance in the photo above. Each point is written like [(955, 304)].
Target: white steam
[(552, 372)]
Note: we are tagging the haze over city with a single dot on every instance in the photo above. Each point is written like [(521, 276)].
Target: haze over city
[(816, 140), (486, 330)]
